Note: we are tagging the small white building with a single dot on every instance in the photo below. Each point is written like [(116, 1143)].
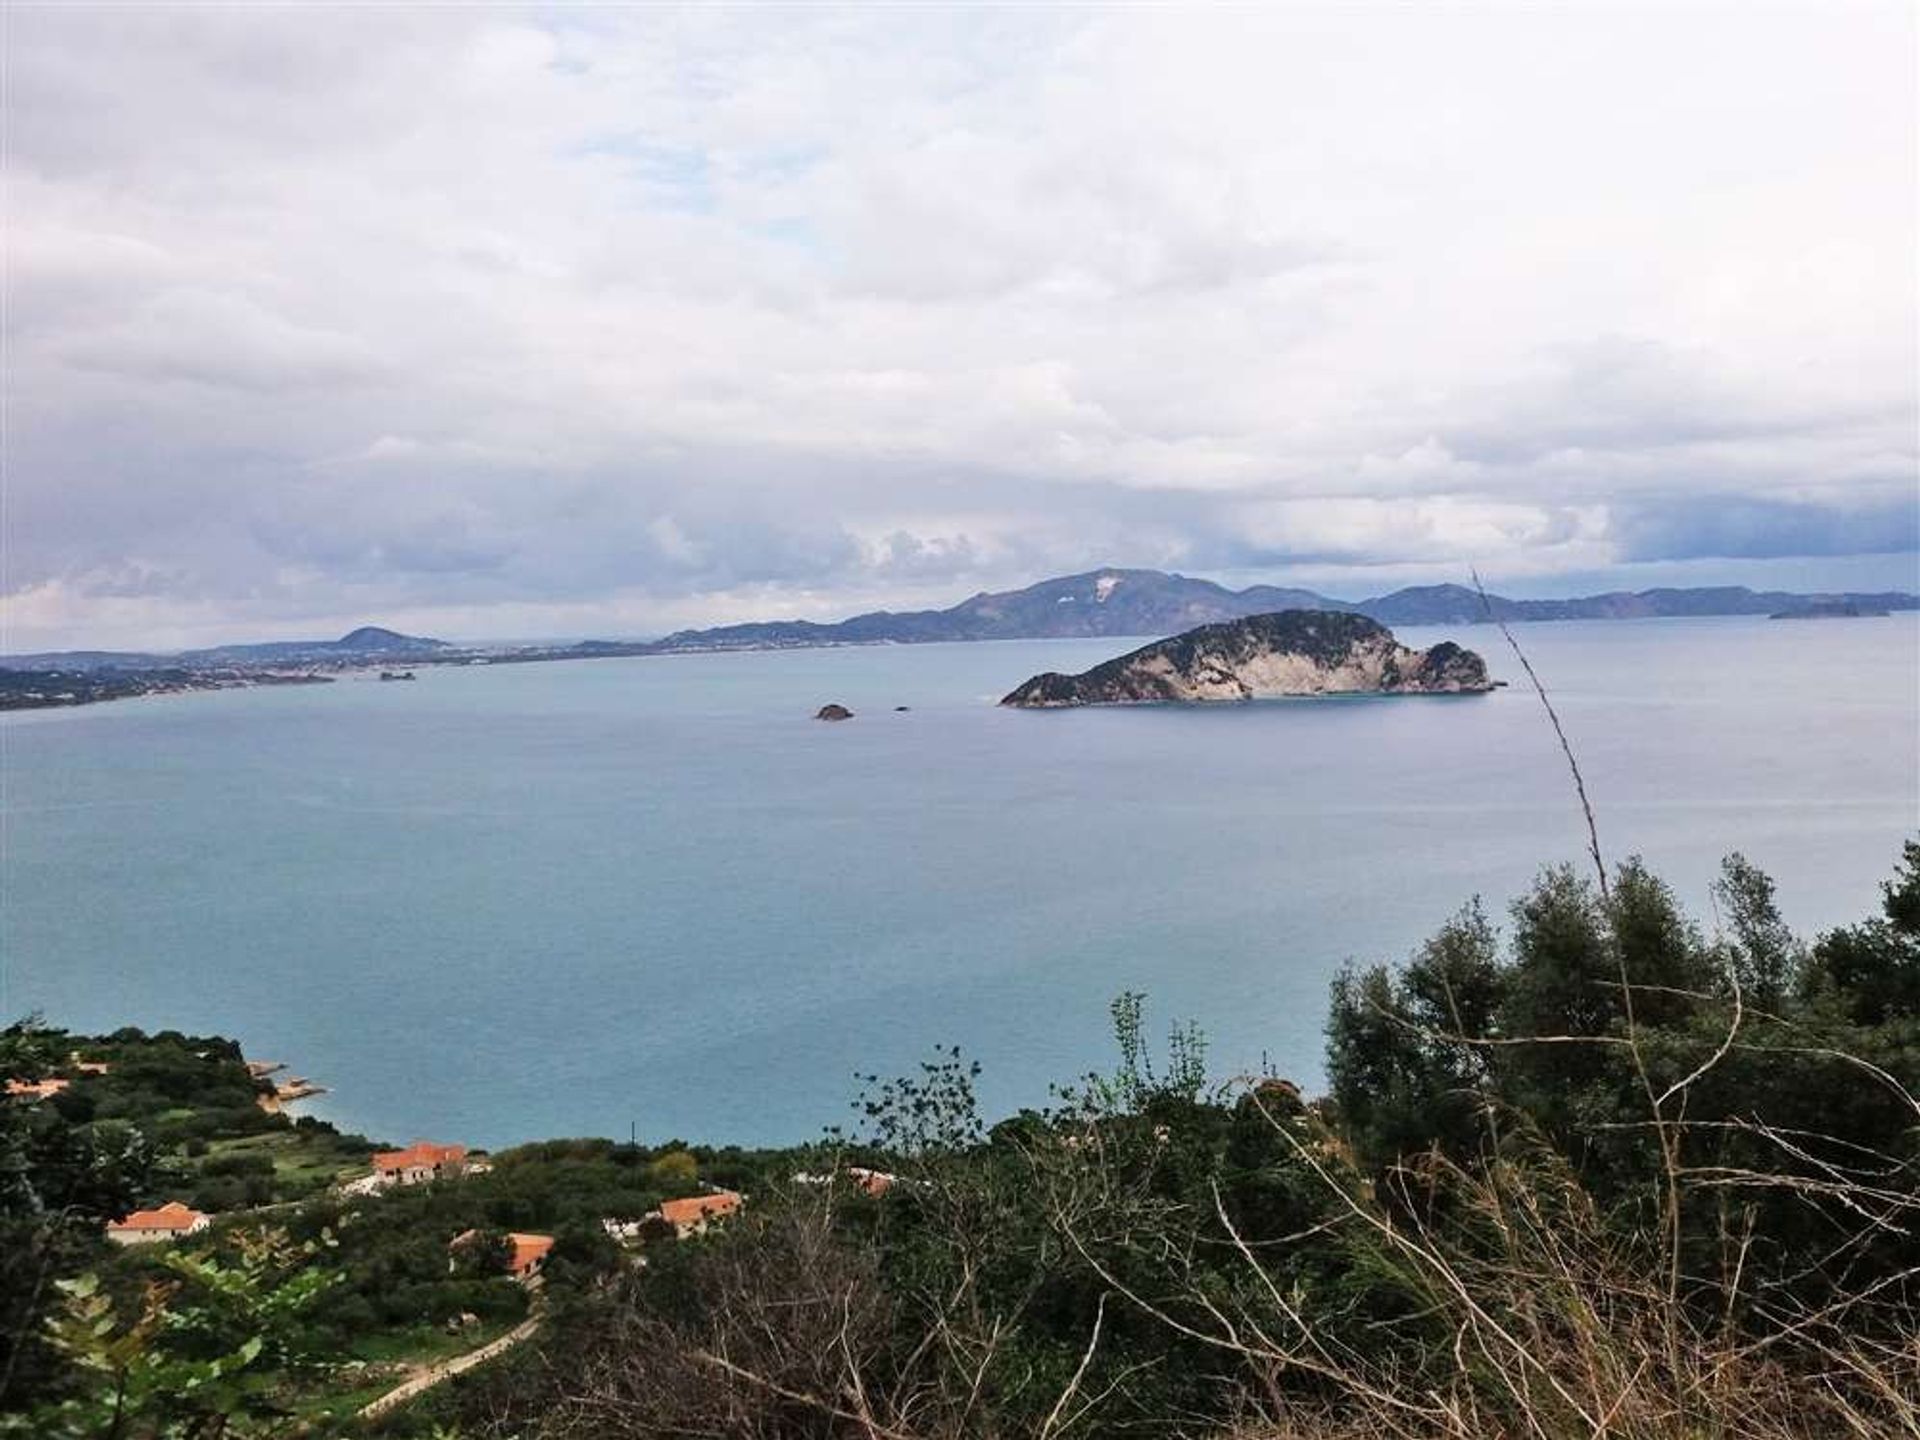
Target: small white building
[(624, 1232)]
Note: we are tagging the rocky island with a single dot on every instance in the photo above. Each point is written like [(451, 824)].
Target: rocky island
[(1292, 652), (1829, 610)]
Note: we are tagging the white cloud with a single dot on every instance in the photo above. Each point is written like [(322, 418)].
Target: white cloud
[(598, 317)]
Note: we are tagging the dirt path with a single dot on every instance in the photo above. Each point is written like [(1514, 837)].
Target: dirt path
[(423, 1380)]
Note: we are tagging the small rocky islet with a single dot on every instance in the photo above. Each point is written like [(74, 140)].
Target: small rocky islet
[(1830, 610), (1289, 652)]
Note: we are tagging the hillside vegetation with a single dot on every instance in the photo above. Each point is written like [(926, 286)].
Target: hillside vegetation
[(1594, 1170)]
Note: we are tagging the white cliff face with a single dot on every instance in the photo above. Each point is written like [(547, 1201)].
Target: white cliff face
[(1215, 676), (1265, 656)]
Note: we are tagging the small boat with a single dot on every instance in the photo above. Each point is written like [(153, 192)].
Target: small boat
[(396, 675)]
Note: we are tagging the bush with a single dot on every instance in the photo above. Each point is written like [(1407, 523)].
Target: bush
[(1570, 1182), (216, 1193), (677, 1169)]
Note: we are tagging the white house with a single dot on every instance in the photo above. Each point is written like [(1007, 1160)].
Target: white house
[(144, 1227)]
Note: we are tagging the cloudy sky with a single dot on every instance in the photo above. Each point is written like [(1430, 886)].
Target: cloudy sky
[(558, 321)]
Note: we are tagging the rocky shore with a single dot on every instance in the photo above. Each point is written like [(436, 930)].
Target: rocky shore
[(1293, 652)]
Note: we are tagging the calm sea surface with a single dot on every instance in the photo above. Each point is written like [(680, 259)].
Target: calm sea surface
[(510, 902)]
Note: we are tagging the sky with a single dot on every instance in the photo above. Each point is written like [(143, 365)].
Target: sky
[(495, 322)]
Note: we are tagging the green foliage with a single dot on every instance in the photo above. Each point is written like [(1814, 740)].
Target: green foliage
[(1403, 1057), (1599, 1165), (480, 1255), (1871, 972), (1599, 1007), (198, 1353), (931, 1115), (1763, 955), (677, 1169), (61, 1179), (1153, 1257), (1134, 1086), (1664, 968)]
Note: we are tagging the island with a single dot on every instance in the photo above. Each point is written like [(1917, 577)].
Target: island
[(1829, 610), (1291, 652)]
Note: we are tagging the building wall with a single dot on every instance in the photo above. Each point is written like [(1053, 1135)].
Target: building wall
[(152, 1237)]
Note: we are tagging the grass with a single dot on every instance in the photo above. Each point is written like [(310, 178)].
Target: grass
[(427, 1344), (304, 1162), (383, 1361)]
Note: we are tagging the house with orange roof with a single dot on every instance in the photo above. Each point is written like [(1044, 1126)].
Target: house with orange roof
[(146, 1227), (419, 1163), (692, 1215), (529, 1256), (526, 1258), (36, 1089), (872, 1182)]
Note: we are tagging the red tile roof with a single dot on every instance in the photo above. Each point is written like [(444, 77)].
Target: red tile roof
[(420, 1155), (171, 1216), (697, 1208), (528, 1251), (37, 1089)]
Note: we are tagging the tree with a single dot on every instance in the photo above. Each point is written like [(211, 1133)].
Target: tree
[(1872, 970), (60, 1182), (1403, 1060), (196, 1356), (676, 1169), (1764, 954), (1661, 959)]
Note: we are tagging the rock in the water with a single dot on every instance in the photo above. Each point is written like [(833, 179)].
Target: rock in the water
[(1292, 652), (833, 712)]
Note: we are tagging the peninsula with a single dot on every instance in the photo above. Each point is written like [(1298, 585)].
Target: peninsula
[(1292, 652), (84, 677)]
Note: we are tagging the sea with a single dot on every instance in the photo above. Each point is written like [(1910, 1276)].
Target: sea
[(656, 897)]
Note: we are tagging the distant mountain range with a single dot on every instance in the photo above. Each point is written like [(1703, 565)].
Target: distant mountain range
[(1117, 602), (1093, 605)]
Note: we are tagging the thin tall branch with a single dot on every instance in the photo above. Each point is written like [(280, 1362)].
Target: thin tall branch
[(1566, 747)]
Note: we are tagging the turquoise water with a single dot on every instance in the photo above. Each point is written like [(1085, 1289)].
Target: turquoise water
[(516, 901)]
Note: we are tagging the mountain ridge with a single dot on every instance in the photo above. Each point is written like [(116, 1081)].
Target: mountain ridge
[(363, 642), (1108, 602), (1154, 602)]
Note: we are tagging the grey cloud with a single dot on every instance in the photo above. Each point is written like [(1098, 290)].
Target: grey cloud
[(622, 313), (221, 340), (1735, 527), (1635, 394)]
